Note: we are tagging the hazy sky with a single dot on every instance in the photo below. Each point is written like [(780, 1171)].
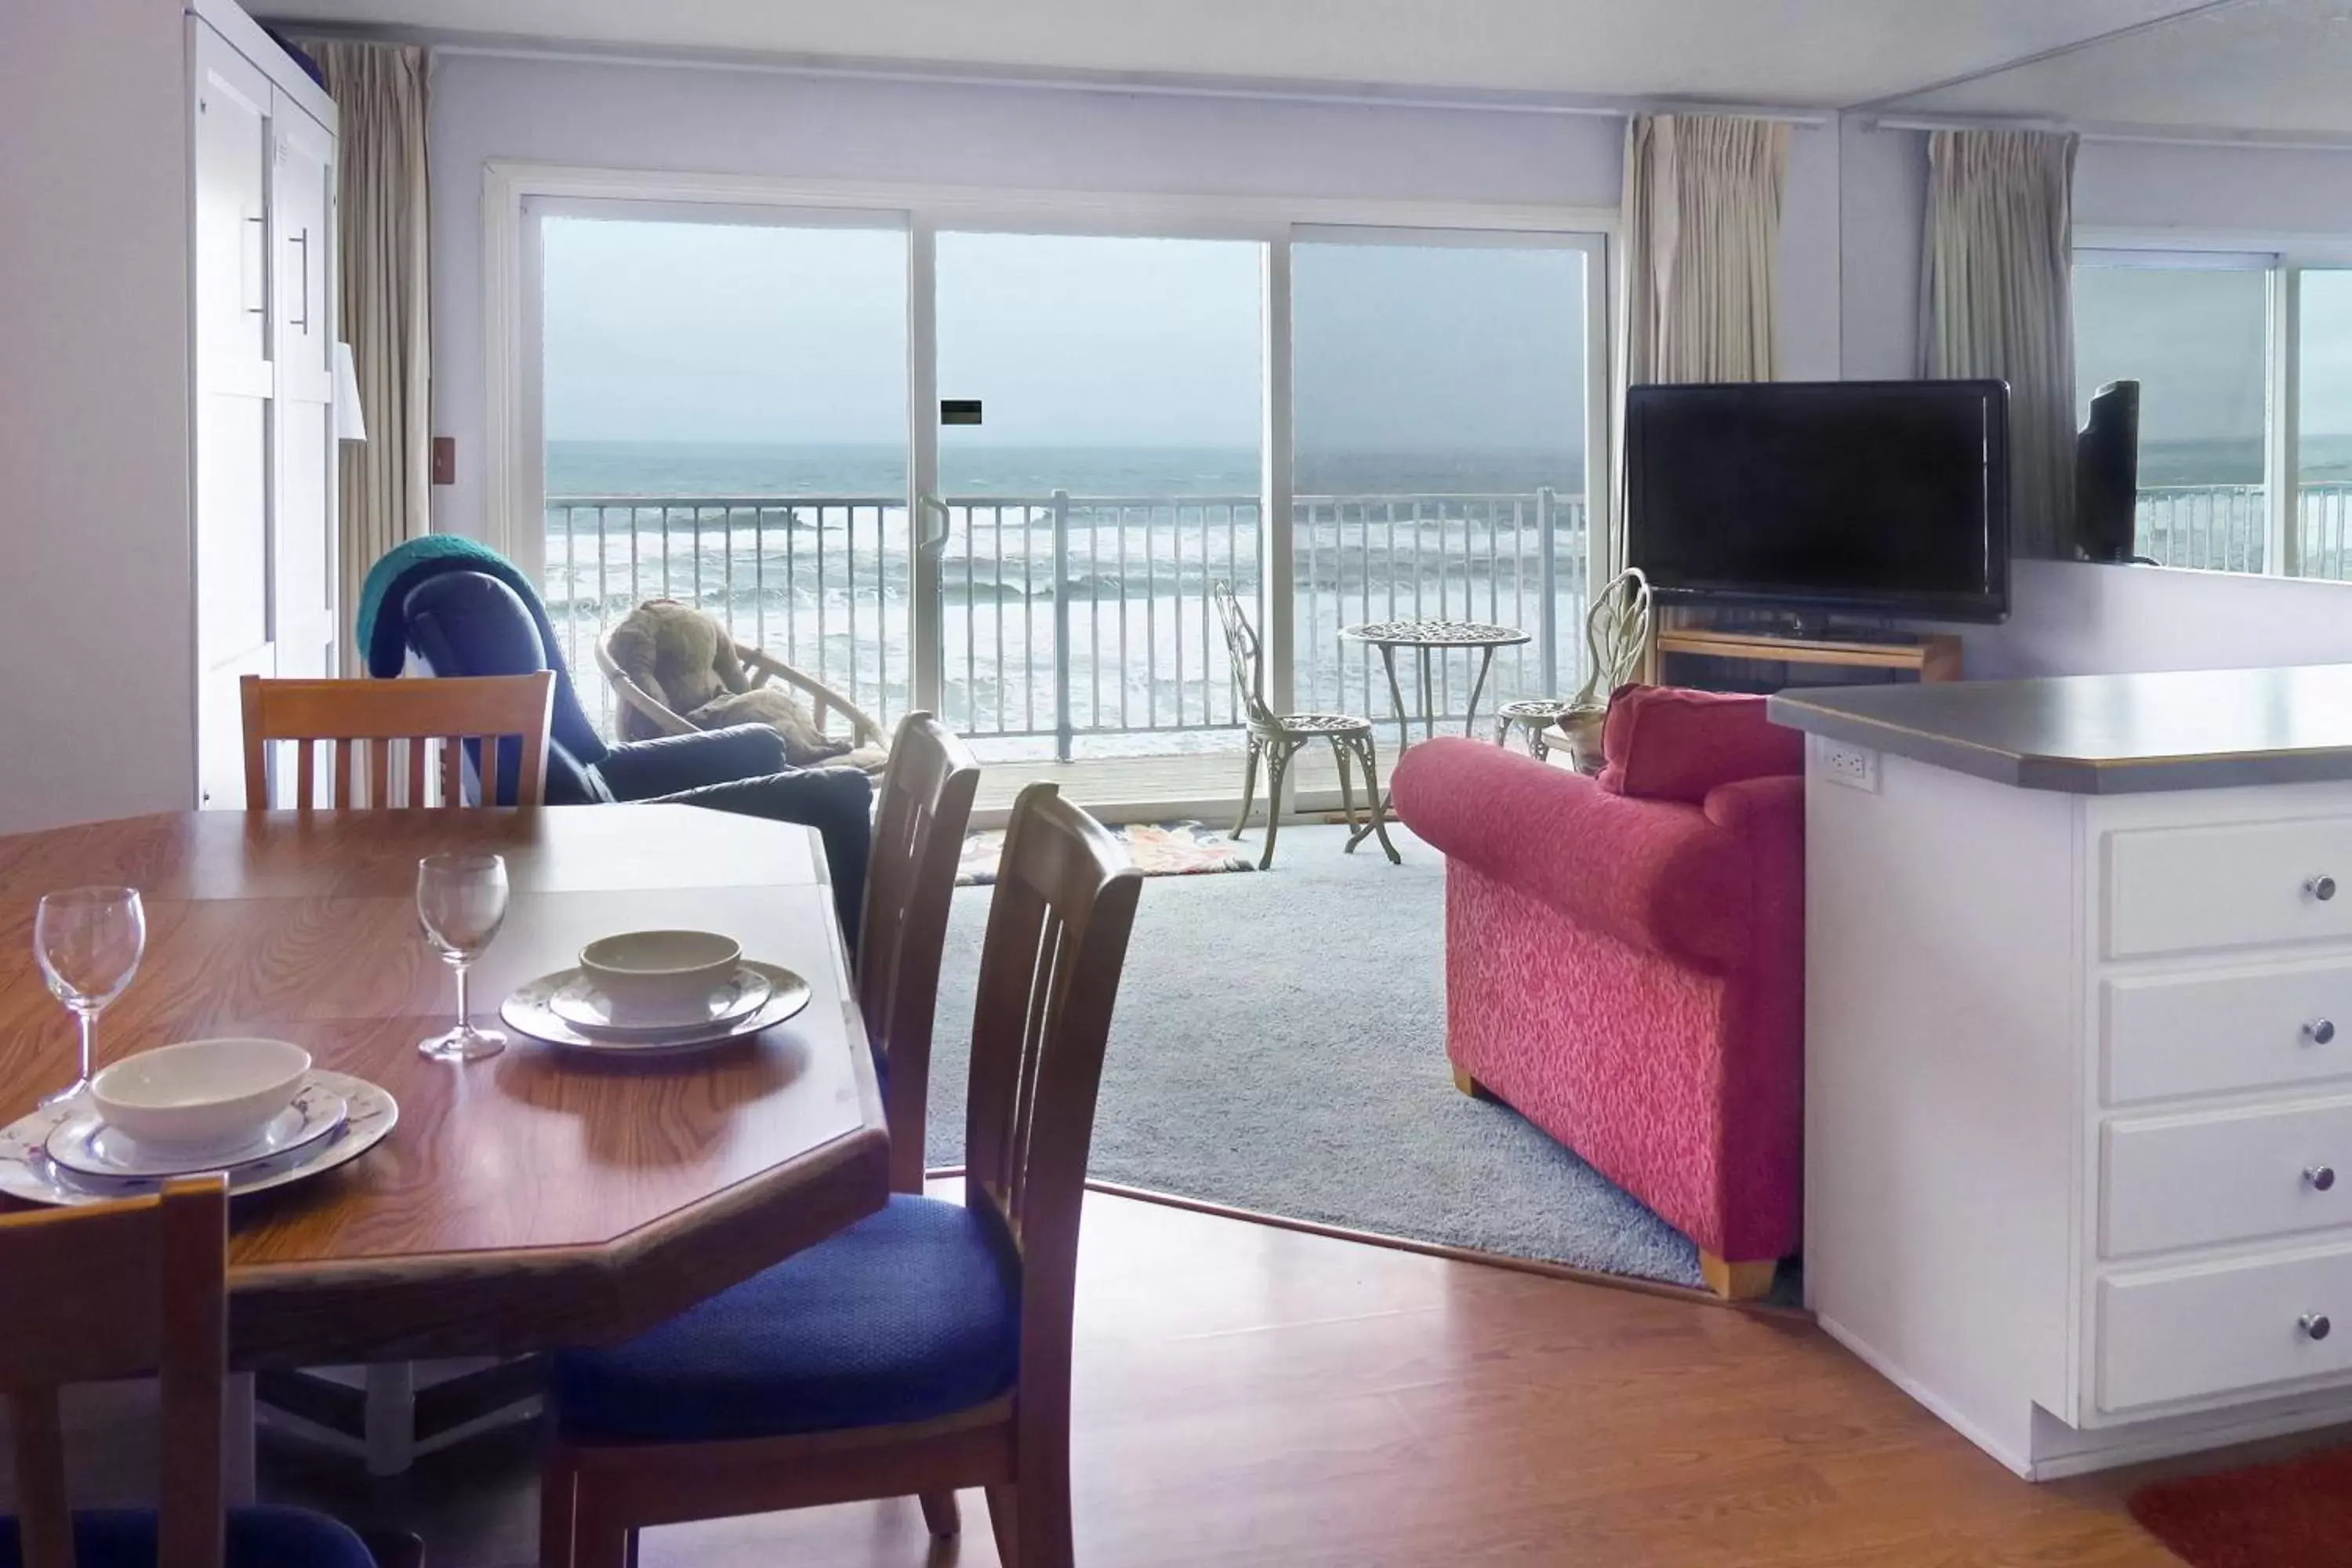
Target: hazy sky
[(685, 331), (733, 332)]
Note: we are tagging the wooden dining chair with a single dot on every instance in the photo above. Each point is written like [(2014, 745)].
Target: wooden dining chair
[(469, 719), (925, 1348), (120, 1290), (918, 830)]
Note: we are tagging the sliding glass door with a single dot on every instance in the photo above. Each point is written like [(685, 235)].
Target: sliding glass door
[(998, 472), (725, 418), (1443, 388), (1099, 458)]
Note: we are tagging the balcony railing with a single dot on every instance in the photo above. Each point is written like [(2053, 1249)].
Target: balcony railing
[(1129, 647), (2224, 528)]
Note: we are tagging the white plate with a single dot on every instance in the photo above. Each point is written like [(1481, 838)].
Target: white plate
[(26, 1170), (527, 1013), (87, 1145), (580, 1004)]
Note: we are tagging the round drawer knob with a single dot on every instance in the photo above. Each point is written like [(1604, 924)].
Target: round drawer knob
[(2321, 1177), (2321, 888), (2319, 1031), (2315, 1325)]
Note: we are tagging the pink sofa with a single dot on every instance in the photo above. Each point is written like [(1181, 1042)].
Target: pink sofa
[(1624, 957)]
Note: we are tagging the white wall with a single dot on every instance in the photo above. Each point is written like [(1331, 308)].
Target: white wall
[(2072, 617), (95, 624), (742, 122)]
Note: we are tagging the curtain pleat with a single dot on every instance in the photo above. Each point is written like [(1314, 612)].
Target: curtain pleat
[(379, 101), (1701, 255), (1996, 300)]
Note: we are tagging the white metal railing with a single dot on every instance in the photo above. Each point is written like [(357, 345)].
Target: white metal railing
[(1067, 615), (2226, 528)]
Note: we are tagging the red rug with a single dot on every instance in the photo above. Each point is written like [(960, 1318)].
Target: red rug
[(2293, 1515)]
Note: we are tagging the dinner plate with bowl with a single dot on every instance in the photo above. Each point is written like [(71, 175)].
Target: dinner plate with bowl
[(89, 1145), (584, 1005), (30, 1170), (532, 1010)]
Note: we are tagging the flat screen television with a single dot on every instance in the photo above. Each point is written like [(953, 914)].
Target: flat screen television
[(1883, 497)]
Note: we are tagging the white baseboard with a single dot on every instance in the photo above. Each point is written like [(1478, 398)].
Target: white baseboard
[(2021, 1464)]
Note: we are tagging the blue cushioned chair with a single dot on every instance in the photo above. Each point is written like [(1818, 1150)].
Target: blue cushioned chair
[(113, 1291), (926, 1348)]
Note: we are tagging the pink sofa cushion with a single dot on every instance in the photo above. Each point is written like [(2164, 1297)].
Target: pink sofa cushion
[(1665, 743)]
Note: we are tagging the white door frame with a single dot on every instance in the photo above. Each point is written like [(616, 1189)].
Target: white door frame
[(514, 483)]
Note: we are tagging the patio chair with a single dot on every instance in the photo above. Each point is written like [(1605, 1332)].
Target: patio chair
[(1278, 736), (866, 731)]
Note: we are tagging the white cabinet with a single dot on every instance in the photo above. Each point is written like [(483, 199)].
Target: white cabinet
[(2079, 1107), (264, 291)]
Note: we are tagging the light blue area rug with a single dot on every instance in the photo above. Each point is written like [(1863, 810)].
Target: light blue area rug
[(1280, 1047)]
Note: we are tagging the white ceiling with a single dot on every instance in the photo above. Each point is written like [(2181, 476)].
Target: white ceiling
[(2281, 66), (1804, 52)]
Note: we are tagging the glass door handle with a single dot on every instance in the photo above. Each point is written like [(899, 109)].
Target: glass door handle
[(929, 506)]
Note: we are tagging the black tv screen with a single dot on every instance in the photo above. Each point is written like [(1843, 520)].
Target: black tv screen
[(1875, 498)]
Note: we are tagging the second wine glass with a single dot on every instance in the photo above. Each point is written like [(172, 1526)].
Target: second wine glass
[(461, 901)]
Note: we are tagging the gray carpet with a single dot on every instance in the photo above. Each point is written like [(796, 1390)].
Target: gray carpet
[(1280, 1047)]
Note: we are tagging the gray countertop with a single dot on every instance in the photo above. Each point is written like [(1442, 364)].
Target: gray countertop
[(2103, 734)]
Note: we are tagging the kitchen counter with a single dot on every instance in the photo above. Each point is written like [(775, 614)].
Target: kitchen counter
[(2103, 734)]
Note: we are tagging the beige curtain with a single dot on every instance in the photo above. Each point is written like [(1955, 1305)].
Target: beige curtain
[(1700, 252), (1996, 300), (378, 93)]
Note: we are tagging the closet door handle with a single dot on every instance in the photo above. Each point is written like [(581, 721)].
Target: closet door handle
[(303, 322), (259, 249)]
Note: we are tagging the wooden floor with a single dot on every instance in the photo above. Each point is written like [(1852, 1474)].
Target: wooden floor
[(1250, 1395)]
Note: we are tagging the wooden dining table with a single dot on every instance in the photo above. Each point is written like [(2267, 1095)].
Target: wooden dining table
[(531, 1199)]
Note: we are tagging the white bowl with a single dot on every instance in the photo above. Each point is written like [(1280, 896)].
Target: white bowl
[(660, 975), (200, 1094)]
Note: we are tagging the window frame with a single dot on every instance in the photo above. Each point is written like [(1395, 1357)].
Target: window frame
[(2284, 258)]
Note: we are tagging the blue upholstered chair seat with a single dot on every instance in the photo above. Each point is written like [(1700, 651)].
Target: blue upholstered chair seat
[(258, 1538), (911, 1314)]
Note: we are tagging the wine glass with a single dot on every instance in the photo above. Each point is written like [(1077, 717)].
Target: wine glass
[(89, 941), (461, 901)]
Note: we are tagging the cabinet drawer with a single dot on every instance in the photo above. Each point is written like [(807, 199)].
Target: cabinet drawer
[(2253, 1027), (2230, 1175), (2198, 1333), (2170, 889)]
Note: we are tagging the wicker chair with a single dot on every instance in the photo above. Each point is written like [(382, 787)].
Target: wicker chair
[(866, 731)]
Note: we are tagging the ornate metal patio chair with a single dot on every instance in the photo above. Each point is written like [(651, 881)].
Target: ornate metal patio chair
[(1616, 641), (1278, 736)]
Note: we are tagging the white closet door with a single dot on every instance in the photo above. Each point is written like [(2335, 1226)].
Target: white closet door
[(234, 385), (302, 325)]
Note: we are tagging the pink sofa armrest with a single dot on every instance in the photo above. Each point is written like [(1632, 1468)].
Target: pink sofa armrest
[(1665, 878)]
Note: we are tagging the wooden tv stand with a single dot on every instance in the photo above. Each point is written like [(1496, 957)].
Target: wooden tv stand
[(1934, 656)]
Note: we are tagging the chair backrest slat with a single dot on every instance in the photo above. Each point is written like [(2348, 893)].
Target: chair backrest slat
[(919, 833), (114, 1291), (1241, 651), (1049, 970), (376, 713)]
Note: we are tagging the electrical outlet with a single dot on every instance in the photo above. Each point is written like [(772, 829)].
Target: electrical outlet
[(1856, 767)]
